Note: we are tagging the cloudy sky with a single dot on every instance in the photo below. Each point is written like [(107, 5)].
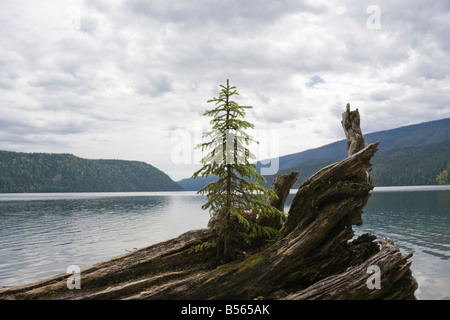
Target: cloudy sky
[(130, 79)]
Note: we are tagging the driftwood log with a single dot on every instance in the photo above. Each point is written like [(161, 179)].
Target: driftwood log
[(315, 255), (282, 187)]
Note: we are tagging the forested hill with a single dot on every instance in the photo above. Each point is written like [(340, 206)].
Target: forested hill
[(44, 172), (410, 155)]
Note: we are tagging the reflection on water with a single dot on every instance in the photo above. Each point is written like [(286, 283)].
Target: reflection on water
[(41, 238)]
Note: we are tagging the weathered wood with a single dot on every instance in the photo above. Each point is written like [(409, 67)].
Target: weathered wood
[(282, 187), (351, 125), (153, 265), (395, 279)]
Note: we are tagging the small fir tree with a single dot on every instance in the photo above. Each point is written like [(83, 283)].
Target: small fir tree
[(236, 201)]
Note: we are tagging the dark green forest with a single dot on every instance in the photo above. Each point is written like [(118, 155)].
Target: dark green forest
[(410, 166), (394, 167), (43, 172)]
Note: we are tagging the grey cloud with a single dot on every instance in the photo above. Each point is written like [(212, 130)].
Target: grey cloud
[(6, 84), (15, 126), (63, 124), (174, 127), (200, 13), (99, 5), (28, 141), (53, 81), (89, 25), (380, 95), (154, 85)]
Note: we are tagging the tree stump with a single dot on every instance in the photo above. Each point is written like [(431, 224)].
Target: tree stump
[(351, 124)]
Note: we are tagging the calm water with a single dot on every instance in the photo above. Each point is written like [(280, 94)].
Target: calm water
[(42, 234), (418, 222)]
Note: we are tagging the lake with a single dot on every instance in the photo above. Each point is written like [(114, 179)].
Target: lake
[(42, 234)]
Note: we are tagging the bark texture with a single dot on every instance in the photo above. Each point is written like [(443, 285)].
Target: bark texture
[(281, 186), (351, 125)]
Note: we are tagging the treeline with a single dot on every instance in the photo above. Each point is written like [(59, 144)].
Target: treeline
[(395, 167), (422, 165), (410, 166), (43, 172)]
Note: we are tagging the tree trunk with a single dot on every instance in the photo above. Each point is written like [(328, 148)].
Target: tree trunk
[(282, 187), (351, 125)]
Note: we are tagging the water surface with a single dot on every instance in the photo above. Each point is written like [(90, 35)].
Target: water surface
[(42, 234)]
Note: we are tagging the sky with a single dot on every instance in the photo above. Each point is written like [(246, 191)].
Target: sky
[(131, 79)]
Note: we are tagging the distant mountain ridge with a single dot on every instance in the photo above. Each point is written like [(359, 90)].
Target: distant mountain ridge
[(408, 155), (48, 172)]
